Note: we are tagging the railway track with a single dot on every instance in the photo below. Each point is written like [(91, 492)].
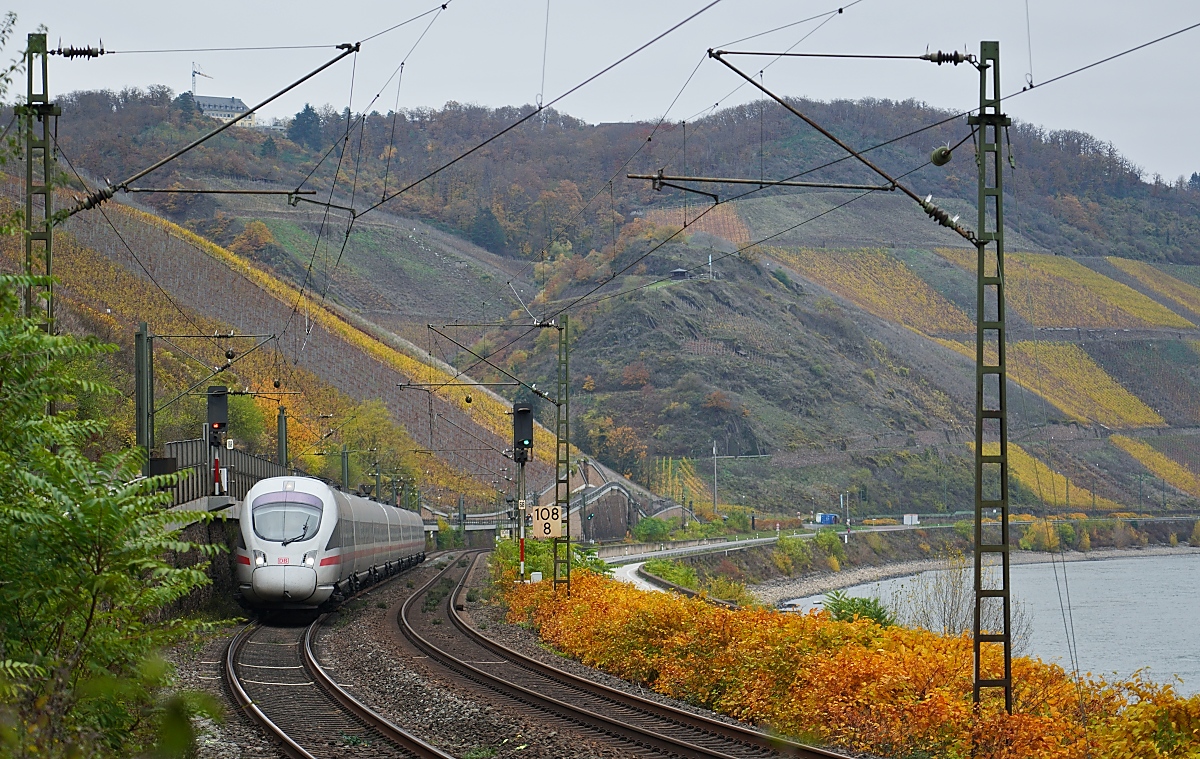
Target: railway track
[(276, 680), (642, 727)]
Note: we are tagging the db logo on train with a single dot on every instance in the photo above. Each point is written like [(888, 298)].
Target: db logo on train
[(547, 522)]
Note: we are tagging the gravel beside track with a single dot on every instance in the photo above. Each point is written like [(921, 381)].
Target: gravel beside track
[(198, 668), (268, 664), (363, 649), (637, 726)]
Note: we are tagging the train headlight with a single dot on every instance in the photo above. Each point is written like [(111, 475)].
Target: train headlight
[(310, 558), (260, 559)]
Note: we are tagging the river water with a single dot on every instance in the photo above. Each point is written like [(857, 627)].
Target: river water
[(1129, 613)]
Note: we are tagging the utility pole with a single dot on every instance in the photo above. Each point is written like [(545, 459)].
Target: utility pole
[(991, 414), (714, 479), (143, 390), (38, 117), (282, 441), (562, 458), (379, 483), (345, 468)]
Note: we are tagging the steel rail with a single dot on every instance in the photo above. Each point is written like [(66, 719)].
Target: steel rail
[(380, 723), (656, 740), (247, 705), (735, 732), (355, 709)]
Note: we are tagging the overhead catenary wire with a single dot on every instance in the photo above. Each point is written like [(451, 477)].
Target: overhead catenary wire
[(529, 116), (249, 48), (834, 12), (186, 316), (537, 110), (828, 16), (545, 52), (96, 198)]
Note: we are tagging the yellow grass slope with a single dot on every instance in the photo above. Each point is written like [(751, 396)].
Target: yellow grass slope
[(1057, 291), (1160, 282), (113, 300), (1065, 375), (722, 221), (484, 410), (1159, 463), (880, 284), (1053, 489)]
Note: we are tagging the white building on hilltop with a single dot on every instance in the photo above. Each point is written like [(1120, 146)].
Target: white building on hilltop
[(225, 109)]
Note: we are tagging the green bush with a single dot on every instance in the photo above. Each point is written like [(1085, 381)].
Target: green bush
[(738, 522), (965, 529), (651, 530), (830, 544), (846, 608), (1066, 533), (505, 559), (793, 554), (92, 563), (674, 571)]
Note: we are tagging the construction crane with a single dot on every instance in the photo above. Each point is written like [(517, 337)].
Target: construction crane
[(196, 72)]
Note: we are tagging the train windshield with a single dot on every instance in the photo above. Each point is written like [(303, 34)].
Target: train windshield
[(286, 517)]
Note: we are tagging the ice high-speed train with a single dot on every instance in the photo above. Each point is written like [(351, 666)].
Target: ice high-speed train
[(301, 541)]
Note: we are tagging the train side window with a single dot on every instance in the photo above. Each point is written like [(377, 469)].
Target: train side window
[(335, 540)]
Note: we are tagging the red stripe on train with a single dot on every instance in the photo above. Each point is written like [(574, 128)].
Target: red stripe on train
[(242, 559), (331, 560)]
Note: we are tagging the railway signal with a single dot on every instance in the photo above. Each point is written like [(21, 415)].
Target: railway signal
[(522, 432), (218, 413)]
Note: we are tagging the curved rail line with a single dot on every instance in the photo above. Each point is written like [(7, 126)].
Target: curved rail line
[(282, 687), (646, 724)]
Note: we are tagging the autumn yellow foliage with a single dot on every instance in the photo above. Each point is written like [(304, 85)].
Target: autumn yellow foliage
[(853, 685), (114, 301), (1054, 489), (1058, 291), (485, 410), (880, 284), (1160, 282), (1065, 375), (722, 221), (1159, 463), (677, 479)]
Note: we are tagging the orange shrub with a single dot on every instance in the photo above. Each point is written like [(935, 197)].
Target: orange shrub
[(891, 692)]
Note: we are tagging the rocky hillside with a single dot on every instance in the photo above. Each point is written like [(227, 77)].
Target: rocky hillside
[(836, 356)]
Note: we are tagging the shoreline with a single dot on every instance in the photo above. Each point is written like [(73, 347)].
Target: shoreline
[(773, 592)]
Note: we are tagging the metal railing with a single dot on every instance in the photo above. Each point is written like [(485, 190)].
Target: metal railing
[(193, 461)]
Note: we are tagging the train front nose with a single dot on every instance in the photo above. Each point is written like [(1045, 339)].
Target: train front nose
[(284, 583)]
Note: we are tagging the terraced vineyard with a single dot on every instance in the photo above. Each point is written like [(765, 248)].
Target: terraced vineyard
[(1160, 464), (880, 284), (1065, 375), (1053, 489), (722, 221), (1166, 286), (1056, 291)]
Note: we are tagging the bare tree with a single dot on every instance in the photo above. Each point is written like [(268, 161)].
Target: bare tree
[(943, 601)]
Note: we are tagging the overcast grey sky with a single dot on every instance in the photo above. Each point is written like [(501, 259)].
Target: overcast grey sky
[(490, 52)]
